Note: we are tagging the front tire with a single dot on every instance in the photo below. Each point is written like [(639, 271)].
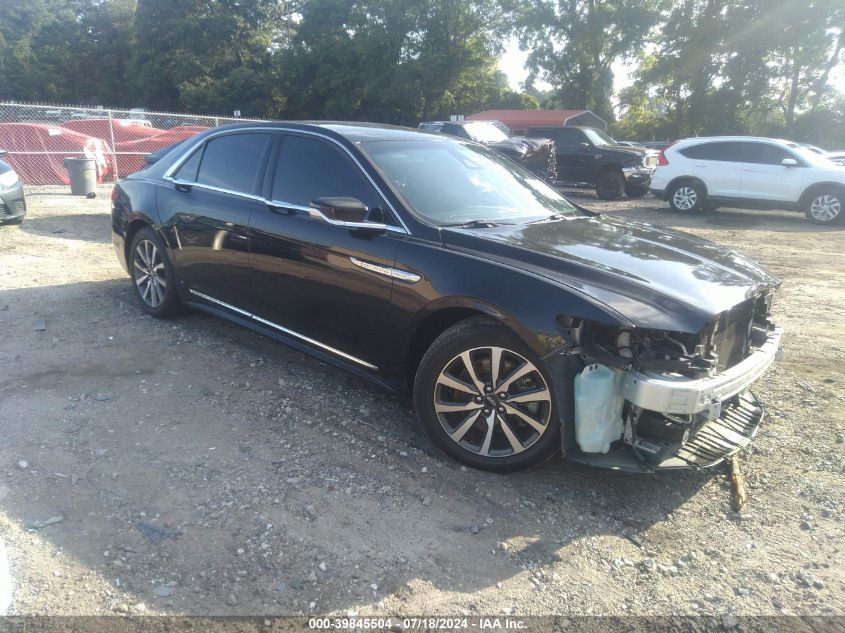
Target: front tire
[(687, 197), (485, 399), (825, 207), (610, 185), (635, 191), (152, 276)]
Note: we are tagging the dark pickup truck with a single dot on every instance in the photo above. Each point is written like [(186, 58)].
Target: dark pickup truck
[(535, 154), (587, 157)]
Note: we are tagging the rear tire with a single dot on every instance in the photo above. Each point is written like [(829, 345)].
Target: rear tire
[(152, 276), (687, 197), (485, 399), (610, 185), (826, 207)]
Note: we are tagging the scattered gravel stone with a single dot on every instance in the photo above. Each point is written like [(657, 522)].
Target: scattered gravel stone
[(742, 592), (162, 591), (23, 464)]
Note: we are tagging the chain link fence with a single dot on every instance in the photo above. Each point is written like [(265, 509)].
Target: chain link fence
[(37, 138)]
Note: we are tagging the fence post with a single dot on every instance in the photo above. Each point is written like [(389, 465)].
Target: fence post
[(216, 122), (113, 148)]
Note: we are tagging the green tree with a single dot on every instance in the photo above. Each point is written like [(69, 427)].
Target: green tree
[(394, 61), (188, 50), (574, 43), (738, 66)]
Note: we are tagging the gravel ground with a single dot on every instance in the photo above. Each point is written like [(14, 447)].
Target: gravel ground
[(192, 467)]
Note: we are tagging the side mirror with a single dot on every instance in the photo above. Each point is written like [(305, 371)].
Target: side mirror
[(584, 146), (3, 152), (789, 162), (340, 209), (347, 212)]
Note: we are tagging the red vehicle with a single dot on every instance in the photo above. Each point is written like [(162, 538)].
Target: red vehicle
[(130, 154), (123, 129), (37, 151)]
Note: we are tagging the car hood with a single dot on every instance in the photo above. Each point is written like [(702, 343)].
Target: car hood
[(656, 278)]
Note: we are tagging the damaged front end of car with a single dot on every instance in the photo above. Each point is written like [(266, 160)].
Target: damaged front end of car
[(648, 400)]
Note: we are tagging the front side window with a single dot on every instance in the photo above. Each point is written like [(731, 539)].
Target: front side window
[(764, 154), (310, 168), (450, 182), (598, 138), (231, 162)]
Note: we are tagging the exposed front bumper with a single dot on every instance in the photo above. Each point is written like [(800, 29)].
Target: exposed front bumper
[(12, 203), (685, 396), (637, 175)]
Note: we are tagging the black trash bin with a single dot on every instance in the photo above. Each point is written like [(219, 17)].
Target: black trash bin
[(83, 176)]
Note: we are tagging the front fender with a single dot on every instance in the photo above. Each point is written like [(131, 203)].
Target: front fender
[(527, 303)]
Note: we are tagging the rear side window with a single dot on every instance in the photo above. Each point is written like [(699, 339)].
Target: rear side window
[(188, 170), (764, 154), (726, 151), (231, 162), (310, 168)]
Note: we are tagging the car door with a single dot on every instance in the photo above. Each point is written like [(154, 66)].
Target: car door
[(327, 285), (764, 177), (719, 165), (573, 160), (206, 209)]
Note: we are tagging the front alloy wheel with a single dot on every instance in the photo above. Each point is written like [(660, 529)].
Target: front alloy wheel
[(492, 402), (484, 399), (825, 208)]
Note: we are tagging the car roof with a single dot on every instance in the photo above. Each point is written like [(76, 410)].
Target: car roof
[(711, 139), (353, 131)]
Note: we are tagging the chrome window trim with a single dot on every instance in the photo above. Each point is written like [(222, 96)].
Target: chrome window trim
[(281, 328), (231, 192), (393, 273), (168, 175)]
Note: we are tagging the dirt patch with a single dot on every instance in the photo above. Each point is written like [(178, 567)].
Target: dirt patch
[(283, 486)]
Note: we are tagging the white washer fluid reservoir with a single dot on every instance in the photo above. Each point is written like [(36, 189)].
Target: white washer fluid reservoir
[(598, 408)]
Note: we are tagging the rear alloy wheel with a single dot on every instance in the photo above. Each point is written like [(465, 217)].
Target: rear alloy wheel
[(610, 185), (825, 208), (486, 404), (152, 275), (686, 198)]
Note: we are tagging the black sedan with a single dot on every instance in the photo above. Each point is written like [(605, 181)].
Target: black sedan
[(518, 323), (12, 199)]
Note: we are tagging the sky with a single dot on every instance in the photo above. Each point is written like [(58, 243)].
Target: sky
[(512, 63)]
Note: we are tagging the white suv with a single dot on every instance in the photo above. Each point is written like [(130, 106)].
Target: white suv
[(750, 173)]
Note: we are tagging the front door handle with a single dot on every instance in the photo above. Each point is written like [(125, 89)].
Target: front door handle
[(279, 208)]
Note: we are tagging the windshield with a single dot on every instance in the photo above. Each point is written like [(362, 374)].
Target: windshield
[(809, 156), (598, 138), (485, 132), (451, 183)]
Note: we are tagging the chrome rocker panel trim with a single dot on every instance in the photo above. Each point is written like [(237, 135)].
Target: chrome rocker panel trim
[(285, 330)]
